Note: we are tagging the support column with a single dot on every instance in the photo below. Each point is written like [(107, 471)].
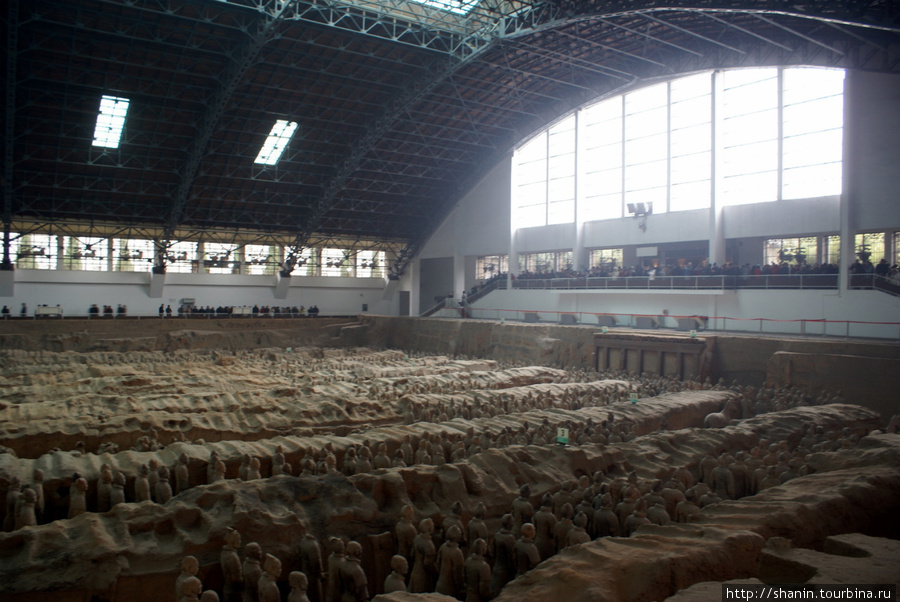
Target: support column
[(716, 222), (849, 167)]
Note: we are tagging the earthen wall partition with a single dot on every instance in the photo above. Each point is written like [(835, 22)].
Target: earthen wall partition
[(744, 358)]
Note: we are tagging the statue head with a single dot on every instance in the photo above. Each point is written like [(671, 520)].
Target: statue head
[(253, 551), (272, 566), (232, 538), (399, 564), (190, 587), (528, 530), (354, 550), (190, 565), (479, 547), (298, 580), (426, 525)]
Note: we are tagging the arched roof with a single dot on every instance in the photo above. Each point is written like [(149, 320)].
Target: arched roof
[(401, 107)]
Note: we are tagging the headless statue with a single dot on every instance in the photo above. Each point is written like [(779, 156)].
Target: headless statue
[(77, 501), (396, 581), (298, 583), (231, 567), (189, 568), (251, 571), (267, 586)]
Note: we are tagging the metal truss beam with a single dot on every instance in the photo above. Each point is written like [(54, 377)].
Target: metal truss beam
[(245, 57), (9, 125)]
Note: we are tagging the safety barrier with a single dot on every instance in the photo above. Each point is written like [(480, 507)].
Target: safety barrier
[(700, 282), (696, 323)]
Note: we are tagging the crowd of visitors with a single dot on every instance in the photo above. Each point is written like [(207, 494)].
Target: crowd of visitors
[(882, 268), (108, 311), (685, 269), (256, 310)]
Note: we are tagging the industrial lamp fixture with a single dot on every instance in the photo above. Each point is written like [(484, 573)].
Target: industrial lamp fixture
[(641, 211)]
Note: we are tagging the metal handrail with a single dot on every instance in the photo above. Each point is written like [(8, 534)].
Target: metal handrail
[(875, 282), (699, 282)]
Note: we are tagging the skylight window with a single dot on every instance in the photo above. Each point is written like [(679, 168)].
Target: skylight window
[(459, 7), (110, 121), (276, 142)]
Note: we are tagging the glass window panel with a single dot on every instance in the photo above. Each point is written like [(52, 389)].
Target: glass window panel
[(604, 157), (336, 263), (809, 149), (133, 255), (870, 242), (607, 132), (306, 263), (802, 84), (606, 258), (220, 258), (36, 252), (533, 171), (737, 78), (561, 212), (750, 128), (561, 189), (812, 181), (532, 215), (692, 86), (561, 167), (833, 249), (690, 195), (562, 138), (370, 264), (646, 175), (532, 194), (84, 253), (691, 168), (820, 114), (751, 97), (491, 265), (792, 251), (750, 188), (181, 258), (691, 140), (605, 110), (691, 112), (110, 121), (261, 259), (602, 182), (605, 206), (646, 99), (534, 149), (657, 196), (646, 123), (642, 150), (751, 158)]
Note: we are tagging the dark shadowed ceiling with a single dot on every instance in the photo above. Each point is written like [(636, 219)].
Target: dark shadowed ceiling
[(401, 107)]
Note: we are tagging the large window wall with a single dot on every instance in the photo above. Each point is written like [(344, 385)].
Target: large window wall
[(729, 137), (85, 253)]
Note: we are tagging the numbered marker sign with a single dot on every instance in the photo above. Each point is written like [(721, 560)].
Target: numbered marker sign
[(693, 334), (604, 329), (562, 435)]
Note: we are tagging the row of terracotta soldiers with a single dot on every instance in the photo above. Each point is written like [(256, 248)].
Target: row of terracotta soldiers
[(258, 577)]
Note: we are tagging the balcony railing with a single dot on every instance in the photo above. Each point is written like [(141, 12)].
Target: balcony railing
[(875, 282), (763, 281)]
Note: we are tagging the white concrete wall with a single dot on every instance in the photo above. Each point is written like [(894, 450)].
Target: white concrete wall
[(76, 291), (875, 146), (872, 314)]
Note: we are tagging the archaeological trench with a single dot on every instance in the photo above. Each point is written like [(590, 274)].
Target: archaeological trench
[(690, 461)]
